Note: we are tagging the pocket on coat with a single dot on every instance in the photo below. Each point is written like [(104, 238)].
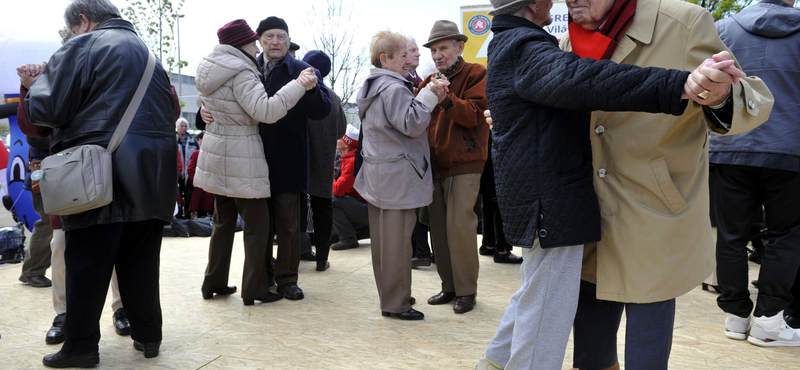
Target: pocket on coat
[(672, 198), (570, 178), (467, 138)]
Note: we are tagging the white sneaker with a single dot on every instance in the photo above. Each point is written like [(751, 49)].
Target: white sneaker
[(736, 327), (773, 332), (486, 364)]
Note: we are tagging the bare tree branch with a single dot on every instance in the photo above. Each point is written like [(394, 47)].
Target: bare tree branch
[(334, 34)]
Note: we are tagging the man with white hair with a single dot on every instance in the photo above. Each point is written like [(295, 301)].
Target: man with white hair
[(187, 144), (413, 62)]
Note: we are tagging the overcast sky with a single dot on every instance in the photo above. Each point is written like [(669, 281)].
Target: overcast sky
[(19, 19)]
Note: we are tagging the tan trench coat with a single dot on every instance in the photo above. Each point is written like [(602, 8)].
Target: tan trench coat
[(651, 170)]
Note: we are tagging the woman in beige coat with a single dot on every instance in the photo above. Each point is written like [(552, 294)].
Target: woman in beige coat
[(395, 177), (231, 164)]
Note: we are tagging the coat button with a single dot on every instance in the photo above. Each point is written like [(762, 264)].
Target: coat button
[(541, 216), (751, 105), (542, 233), (599, 130), (602, 173)]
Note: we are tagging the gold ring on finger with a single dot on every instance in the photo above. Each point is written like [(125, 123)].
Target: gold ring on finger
[(703, 95)]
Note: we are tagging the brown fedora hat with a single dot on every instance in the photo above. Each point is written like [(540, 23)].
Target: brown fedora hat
[(444, 30)]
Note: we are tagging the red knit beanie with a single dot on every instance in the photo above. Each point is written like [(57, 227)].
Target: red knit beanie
[(236, 33)]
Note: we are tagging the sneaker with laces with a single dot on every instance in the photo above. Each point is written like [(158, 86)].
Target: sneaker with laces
[(736, 327), (773, 332)]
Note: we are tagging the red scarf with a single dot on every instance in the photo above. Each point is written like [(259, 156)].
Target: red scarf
[(600, 44)]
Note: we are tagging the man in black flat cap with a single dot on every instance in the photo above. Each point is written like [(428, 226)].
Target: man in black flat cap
[(286, 149)]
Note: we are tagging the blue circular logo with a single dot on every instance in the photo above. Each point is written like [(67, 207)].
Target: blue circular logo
[(479, 25)]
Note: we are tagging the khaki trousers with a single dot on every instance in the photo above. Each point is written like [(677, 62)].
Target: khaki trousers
[(37, 254), (390, 233), (454, 227), (255, 213), (59, 272)]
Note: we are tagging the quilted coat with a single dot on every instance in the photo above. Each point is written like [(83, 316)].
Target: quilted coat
[(82, 95), (651, 170), (232, 161), (396, 172), (540, 97)]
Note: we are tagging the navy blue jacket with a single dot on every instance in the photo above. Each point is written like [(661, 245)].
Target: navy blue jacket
[(286, 141), (765, 38), (540, 98)]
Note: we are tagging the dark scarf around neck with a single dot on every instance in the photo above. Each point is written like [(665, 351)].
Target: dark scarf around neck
[(600, 44)]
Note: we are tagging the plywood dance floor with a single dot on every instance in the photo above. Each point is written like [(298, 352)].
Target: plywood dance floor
[(337, 326)]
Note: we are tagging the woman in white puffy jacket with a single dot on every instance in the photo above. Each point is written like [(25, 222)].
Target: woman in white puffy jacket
[(231, 164)]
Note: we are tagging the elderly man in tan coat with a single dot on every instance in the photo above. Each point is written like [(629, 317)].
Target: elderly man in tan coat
[(651, 177)]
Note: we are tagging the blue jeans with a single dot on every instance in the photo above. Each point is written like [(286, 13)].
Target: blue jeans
[(648, 334)]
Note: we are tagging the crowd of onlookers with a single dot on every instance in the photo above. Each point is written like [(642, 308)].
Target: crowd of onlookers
[(594, 160)]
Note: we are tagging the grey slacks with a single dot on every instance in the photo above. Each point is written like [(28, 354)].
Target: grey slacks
[(534, 331)]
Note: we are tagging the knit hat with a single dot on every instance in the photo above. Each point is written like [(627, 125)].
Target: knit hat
[(293, 46), (319, 60), (272, 23), (351, 136), (236, 33)]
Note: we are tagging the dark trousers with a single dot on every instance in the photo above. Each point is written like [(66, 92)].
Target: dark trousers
[(322, 214), (185, 189), (741, 190), (90, 255), (285, 210), (648, 333), (794, 308), (419, 240), (37, 256), (493, 235), (350, 217), (255, 213)]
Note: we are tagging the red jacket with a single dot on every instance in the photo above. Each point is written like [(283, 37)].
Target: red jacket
[(344, 184), (193, 164)]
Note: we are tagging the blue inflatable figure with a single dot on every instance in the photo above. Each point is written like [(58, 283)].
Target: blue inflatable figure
[(17, 170)]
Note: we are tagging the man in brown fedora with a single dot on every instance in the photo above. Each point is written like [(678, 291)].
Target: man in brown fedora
[(459, 137)]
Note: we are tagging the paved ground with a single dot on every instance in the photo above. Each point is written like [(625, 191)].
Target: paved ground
[(337, 326)]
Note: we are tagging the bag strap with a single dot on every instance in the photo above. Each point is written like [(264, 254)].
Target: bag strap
[(133, 106)]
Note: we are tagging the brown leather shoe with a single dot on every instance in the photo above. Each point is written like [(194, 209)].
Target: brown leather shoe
[(442, 298), (464, 304)]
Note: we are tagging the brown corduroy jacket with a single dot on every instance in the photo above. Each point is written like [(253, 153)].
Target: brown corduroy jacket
[(458, 133)]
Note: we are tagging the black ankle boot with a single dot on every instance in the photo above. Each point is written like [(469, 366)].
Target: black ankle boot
[(150, 349)]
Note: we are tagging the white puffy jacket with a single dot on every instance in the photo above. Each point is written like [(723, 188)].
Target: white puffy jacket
[(231, 161)]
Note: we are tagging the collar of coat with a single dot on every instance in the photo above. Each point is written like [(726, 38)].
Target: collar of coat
[(506, 22), (118, 23), (288, 61), (644, 23)]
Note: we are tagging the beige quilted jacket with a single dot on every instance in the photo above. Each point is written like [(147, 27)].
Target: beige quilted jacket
[(231, 161)]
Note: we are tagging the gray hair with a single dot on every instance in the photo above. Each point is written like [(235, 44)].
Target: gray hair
[(180, 121), (65, 34), (97, 11)]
